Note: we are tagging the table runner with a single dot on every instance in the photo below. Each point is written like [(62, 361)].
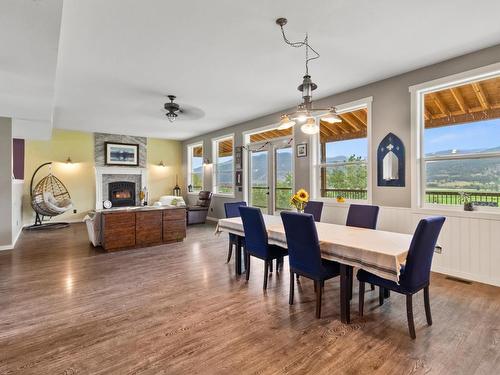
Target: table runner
[(379, 252)]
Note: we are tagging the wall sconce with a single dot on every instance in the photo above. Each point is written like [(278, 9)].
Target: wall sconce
[(161, 164), (206, 161), (69, 161)]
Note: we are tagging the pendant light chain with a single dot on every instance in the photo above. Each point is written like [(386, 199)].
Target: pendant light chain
[(300, 44)]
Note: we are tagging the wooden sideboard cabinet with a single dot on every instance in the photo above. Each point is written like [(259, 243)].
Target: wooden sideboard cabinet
[(141, 227)]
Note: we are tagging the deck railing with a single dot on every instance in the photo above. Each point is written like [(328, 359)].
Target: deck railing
[(283, 195)]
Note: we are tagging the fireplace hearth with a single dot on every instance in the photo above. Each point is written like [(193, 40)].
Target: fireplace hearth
[(122, 193)]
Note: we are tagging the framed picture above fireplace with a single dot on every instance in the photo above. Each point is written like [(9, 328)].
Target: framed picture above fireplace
[(121, 154)]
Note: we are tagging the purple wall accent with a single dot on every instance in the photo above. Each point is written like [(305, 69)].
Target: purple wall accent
[(18, 158)]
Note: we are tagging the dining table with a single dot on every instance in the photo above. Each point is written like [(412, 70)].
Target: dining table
[(380, 252)]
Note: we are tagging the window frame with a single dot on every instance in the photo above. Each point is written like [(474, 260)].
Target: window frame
[(189, 165), (418, 159), (215, 157), (316, 164)]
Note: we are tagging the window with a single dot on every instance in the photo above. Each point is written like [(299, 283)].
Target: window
[(195, 167), (343, 155), (223, 168), (460, 146)]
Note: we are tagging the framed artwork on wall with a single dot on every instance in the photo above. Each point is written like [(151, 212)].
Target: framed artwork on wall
[(391, 162), (124, 154), (238, 154), (301, 150)]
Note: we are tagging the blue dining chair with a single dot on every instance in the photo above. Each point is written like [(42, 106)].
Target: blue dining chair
[(256, 241), (314, 208), (232, 210), (414, 274), (362, 216), (304, 254)]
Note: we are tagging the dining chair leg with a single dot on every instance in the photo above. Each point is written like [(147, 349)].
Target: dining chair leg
[(351, 271), (271, 265), (315, 287), (230, 252), (427, 305), (380, 296), (361, 297), (266, 273), (409, 313), (372, 287), (247, 265), (292, 280), (318, 298)]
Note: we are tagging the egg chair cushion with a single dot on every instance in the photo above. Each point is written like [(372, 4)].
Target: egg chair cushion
[(53, 204)]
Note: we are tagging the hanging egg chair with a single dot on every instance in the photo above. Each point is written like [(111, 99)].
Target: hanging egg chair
[(49, 198)]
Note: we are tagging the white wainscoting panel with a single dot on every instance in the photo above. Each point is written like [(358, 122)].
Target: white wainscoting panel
[(470, 245)]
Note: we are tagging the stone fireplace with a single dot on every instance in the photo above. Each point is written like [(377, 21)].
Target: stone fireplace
[(113, 180)]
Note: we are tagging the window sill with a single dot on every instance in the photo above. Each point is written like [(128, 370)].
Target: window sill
[(222, 195), (333, 202), (481, 213)]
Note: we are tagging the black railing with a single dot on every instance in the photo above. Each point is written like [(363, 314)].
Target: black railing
[(345, 193), (453, 197)]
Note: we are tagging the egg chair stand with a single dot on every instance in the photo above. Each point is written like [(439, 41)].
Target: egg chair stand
[(49, 198)]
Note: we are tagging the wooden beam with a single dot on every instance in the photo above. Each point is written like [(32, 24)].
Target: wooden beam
[(480, 95), (455, 92), (353, 121), (439, 103), (361, 115), (463, 118)]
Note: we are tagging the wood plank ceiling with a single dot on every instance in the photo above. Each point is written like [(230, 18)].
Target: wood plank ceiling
[(462, 104), (467, 103)]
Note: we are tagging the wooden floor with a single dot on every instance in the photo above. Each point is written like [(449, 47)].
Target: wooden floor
[(179, 309)]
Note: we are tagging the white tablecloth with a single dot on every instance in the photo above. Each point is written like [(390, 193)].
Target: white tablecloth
[(379, 252)]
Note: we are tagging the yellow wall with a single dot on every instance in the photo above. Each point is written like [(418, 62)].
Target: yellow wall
[(79, 177), (161, 180)]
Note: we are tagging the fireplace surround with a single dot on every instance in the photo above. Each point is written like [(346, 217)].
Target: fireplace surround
[(122, 193)]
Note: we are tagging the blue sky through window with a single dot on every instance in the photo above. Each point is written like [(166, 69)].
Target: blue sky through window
[(358, 147), (470, 136)]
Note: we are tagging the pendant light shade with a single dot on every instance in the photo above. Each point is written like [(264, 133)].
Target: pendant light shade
[(285, 123), (310, 127), (331, 117)]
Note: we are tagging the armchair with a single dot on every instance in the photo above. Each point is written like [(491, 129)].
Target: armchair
[(197, 214)]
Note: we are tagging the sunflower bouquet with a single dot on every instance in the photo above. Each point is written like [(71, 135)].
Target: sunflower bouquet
[(299, 200)]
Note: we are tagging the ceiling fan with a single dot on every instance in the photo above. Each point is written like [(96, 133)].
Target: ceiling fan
[(174, 110)]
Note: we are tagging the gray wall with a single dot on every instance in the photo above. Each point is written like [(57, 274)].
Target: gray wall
[(390, 113), (5, 181)]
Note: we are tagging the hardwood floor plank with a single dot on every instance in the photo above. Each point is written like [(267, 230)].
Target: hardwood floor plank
[(67, 308)]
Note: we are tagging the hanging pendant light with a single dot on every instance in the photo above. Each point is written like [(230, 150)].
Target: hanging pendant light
[(306, 114), (331, 117), (285, 123), (310, 127)]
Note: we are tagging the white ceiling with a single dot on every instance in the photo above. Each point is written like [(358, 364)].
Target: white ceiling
[(119, 58), (29, 36)]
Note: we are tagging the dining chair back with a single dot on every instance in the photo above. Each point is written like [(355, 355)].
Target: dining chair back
[(314, 208), (232, 208), (362, 216), (419, 259), (303, 245), (255, 231)]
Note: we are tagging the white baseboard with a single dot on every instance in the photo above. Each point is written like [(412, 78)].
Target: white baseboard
[(13, 244)]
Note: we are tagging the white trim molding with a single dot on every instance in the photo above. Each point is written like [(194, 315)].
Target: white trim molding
[(315, 162), (417, 129), (101, 171)]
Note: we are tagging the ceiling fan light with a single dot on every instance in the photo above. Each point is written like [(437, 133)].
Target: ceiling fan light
[(310, 127), (285, 123), (171, 116)]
